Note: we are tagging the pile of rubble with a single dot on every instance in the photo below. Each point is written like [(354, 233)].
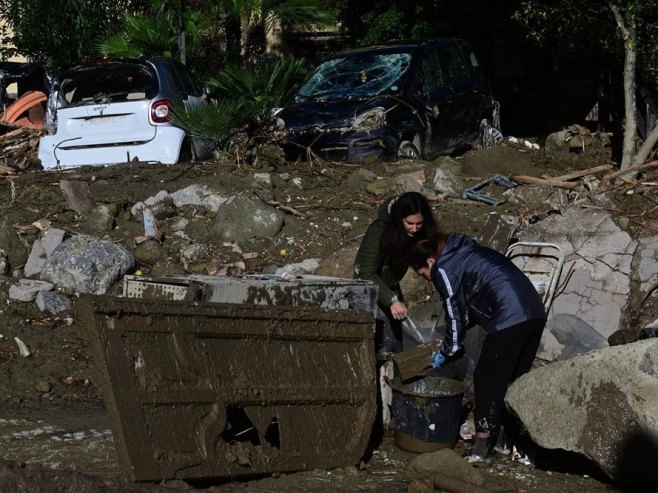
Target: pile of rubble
[(18, 150)]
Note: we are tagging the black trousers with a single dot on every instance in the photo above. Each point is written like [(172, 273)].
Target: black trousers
[(506, 355)]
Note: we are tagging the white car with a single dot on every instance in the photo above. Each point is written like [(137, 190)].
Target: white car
[(115, 111)]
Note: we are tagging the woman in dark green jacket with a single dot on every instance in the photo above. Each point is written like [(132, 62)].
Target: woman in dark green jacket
[(382, 259)]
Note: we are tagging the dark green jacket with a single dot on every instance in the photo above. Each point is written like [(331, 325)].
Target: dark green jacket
[(370, 265)]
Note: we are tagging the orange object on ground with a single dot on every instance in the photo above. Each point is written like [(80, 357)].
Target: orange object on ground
[(26, 111)]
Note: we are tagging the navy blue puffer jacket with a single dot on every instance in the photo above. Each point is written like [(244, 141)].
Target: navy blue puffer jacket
[(481, 286)]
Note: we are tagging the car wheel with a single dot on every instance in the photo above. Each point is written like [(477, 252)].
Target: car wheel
[(408, 150)]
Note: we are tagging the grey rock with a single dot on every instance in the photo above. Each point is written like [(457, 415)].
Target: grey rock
[(77, 196), (161, 205), (601, 404), (557, 142), (36, 260), (412, 181), (27, 289), (100, 219), (51, 239), (42, 387), (87, 264), (198, 231), (597, 274), (360, 178), (241, 218), (339, 264), (262, 179), (177, 224), (3, 262), (149, 252), (49, 301), (444, 461), (41, 249), (445, 178), (198, 195)]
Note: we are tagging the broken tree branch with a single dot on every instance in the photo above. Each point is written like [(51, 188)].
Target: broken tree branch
[(279, 205), (533, 180), (583, 172), (621, 172)]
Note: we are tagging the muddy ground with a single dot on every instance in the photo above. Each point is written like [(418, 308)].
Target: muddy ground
[(54, 431)]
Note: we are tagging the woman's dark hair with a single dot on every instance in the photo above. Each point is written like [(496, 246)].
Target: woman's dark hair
[(395, 242)]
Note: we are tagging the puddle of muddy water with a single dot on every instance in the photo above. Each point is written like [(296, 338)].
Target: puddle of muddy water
[(83, 443)]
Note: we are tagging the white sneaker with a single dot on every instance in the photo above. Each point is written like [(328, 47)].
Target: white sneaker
[(473, 458)]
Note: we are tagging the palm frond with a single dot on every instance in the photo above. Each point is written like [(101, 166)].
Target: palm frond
[(117, 46), (303, 14), (265, 88), (216, 121)]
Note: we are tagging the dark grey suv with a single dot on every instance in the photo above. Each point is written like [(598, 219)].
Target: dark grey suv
[(413, 100)]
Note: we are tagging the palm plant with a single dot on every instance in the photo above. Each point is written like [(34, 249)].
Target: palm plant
[(246, 101), (265, 88), (159, 30)]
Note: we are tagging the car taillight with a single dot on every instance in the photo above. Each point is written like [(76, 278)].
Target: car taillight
[(160, 111)]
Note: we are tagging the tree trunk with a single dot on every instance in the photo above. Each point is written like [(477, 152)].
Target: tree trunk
[(630, 103), (182, 48), (649, 143)]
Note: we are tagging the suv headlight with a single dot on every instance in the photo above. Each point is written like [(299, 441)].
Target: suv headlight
[(370, 119)]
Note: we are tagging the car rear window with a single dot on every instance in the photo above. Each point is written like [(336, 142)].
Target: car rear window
[(107, 83)]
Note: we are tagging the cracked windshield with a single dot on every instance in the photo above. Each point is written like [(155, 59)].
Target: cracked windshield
[(356, 77)]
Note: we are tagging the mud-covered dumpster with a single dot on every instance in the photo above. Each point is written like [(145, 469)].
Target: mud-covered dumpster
[(217, 389)]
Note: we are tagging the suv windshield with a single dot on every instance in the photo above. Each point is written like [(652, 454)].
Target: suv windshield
[(107, 83), (356, 77)]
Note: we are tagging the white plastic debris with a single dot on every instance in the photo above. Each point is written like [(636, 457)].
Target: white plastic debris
[(22, 348)]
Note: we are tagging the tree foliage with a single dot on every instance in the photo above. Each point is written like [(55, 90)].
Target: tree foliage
[(621, 31), (233, 29), (58, 33), (245, 101)]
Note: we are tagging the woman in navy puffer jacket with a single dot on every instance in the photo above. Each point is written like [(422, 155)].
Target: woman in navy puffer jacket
[(481, 286)]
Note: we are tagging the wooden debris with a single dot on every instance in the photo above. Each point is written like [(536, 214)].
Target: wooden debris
[(533, 180), (18, 150), (638, 167), (581, 173)]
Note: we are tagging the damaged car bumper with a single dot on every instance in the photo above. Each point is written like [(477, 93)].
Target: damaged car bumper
[(343, 144), (54, 152)]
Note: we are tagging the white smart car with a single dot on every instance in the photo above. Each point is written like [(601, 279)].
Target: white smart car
[(114, 111)]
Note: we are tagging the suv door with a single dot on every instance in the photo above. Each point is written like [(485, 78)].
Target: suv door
[(438, 105), (467, 94)]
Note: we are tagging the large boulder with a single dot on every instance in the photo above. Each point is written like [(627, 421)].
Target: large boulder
[(87, 264), (603, 404), (595, 285), (241, 218)]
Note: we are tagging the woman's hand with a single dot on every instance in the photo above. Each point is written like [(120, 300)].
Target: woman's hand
[(398, 310)]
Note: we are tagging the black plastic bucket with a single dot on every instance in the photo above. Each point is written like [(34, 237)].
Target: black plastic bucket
[(427, 413)]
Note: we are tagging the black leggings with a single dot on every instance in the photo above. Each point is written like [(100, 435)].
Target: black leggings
[(506, 355)]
